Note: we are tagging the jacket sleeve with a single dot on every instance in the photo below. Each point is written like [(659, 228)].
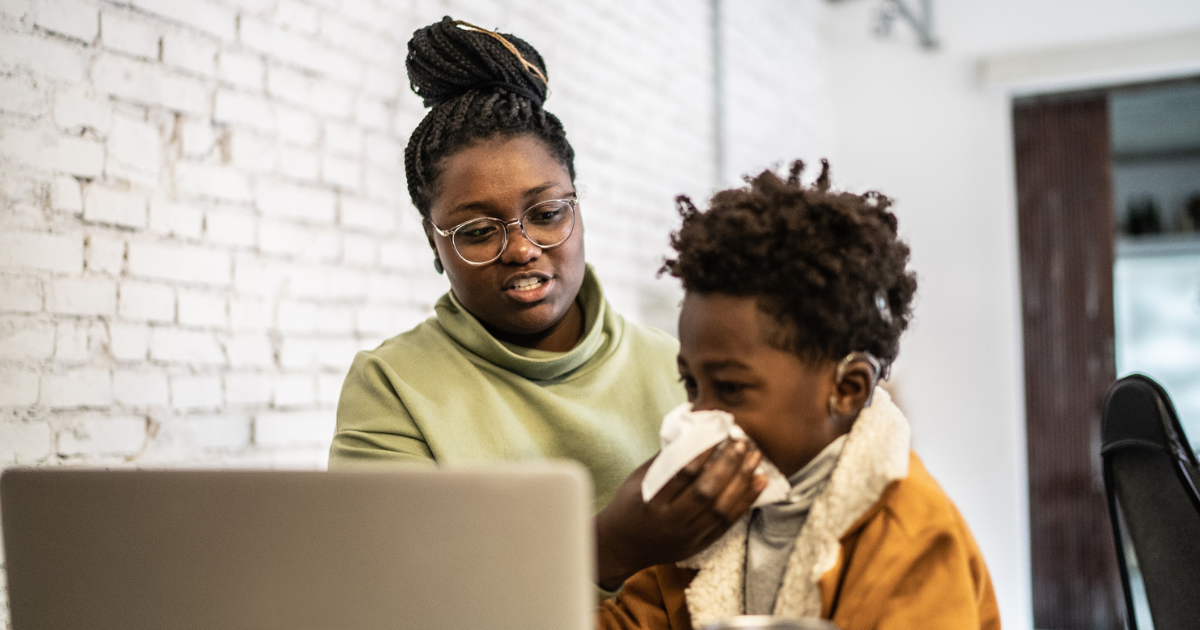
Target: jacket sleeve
[(639, 605), (941, 586), (373, 425)]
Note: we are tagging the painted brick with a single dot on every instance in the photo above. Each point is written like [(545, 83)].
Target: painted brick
[(77, 388), (207, 181), (363, 214), (288, 85), (295, 390), (301, 164), (332, 100), (185, 346), (20, 294), (372, 113), (250, 350), (230, 227), (244, 70), (96, 435), (50, 252), (329, 388), (196, 392), (17, 389), (252, 152), (43, 56), (360, 250), (247, 388), (289, 428), (180, 262), (202, 309), (296, 16), (129, 35), (102, 204), (298, 127), (297, 202), (190, 53), (65, 195), (128, 342), (21, 96), (71, 19), (343, 172), (249, 314), (49, 151), (77, 108), (286, 238), (77, 341), (149, 84), (145, 301), (135, 144), (176, 219), (25, 339), (225, 432), (140, 388), (244, 109), (82, 296), (335, 319), (386, 185), (383, 82), (197, 137), (296, 317), (25, 442), (205, 16), (104, 254), (343, 138)]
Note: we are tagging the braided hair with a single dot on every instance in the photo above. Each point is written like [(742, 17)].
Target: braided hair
[(477, 89), (827, 266)]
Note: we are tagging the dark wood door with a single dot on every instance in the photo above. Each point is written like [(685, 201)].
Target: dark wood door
[(1065, 223)]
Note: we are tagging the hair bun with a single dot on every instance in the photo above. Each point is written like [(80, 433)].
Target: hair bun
[(445, 61)]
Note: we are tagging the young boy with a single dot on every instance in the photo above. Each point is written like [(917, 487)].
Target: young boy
[(796, 299)]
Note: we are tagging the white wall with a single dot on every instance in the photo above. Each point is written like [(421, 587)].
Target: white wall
[(923, 128)]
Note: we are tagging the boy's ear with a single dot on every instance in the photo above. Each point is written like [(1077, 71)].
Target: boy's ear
[(854, 389)]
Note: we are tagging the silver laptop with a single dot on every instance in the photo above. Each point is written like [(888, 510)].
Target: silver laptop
[(496, 548)]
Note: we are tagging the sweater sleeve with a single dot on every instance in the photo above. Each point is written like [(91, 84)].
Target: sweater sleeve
[(373, 425), (639, 605)]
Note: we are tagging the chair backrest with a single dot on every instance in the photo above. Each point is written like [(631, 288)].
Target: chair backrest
[(1151, 478)]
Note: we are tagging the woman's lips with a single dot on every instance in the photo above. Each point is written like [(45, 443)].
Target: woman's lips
[(529, 289)]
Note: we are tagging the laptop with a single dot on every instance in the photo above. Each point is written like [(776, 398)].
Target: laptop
[(500, 547)]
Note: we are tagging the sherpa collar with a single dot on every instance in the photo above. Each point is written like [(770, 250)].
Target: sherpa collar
[(876, 454)]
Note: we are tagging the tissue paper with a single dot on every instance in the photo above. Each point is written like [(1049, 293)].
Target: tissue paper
[(686, 434)]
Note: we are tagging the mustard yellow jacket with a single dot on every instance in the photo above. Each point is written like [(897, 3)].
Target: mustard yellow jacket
[(883, 548)]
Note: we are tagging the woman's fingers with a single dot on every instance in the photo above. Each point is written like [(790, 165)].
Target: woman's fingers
[(740, 492), (685, 477)]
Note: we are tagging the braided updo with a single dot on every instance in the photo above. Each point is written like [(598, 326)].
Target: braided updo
[(478, 90), (828, 266)]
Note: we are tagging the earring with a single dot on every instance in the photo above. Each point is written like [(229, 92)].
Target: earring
[(437, 265)]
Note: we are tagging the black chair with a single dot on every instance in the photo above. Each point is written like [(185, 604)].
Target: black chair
[(1151, 478)]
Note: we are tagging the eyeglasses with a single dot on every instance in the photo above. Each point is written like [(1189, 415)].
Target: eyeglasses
[(480, 241)]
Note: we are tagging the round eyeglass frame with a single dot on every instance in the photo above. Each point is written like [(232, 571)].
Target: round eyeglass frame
[(572, 202)]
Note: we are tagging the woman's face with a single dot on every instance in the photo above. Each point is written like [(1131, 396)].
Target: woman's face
[(501, 178), (780, 401)]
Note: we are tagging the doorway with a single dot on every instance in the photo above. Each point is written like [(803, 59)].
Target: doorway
[(1104, 181)]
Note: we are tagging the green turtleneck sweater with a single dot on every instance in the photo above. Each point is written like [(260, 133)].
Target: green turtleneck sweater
[(448, 391)]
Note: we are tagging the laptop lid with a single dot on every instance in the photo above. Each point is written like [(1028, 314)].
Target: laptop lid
[(497, 547)]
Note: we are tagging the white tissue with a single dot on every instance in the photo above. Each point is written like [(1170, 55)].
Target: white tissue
[(686, 434)]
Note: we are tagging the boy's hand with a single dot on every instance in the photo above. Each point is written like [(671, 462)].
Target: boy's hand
[(692, 511)]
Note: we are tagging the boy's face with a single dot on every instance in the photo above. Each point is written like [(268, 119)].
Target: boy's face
[(780, 401)]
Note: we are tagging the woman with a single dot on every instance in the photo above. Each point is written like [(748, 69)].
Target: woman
[(524, 359)]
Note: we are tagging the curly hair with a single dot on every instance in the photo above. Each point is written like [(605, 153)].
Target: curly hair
[(828, 266), (477, 89)]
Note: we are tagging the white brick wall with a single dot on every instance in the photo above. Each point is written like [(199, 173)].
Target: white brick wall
[(203, 212)]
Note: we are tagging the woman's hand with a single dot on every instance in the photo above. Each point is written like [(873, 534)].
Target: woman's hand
[(691, 511)]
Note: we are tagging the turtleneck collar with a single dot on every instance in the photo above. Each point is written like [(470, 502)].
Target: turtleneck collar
[(470, 333)]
